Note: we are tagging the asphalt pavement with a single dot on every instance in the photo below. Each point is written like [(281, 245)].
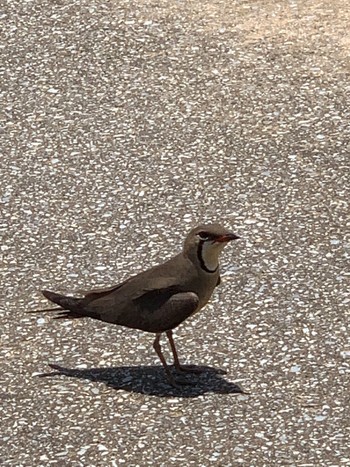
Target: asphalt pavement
[(123, 125)]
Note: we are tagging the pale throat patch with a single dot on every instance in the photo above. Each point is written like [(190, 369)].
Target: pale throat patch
[(210, 254)]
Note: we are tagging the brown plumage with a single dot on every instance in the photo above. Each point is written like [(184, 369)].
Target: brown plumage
[(158, 299)]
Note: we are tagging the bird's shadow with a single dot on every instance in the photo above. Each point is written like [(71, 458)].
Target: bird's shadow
[(151, 380)]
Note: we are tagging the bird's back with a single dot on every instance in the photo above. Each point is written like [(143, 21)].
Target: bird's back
[(126, 303)]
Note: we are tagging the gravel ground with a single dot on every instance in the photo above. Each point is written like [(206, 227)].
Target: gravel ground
[(123, 125)]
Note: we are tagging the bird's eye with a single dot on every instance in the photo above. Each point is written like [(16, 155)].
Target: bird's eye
[(203, 235)]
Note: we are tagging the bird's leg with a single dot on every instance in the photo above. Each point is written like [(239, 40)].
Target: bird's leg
[(158, 349), (178, 366), (173, 349)]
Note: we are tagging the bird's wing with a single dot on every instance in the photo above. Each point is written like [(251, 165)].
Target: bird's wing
[(134, 287), (99, 293), (155, 285), (159, 310), (147, 302)]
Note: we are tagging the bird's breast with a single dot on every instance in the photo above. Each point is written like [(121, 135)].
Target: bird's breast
[(205, 286)]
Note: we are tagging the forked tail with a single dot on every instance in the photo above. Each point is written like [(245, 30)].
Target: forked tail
[(69, 306), (67, 303)]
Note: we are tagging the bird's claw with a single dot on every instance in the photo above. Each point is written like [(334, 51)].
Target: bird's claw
[(190, 369)]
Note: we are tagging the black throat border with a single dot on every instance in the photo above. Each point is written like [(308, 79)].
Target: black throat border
[(201, 260)]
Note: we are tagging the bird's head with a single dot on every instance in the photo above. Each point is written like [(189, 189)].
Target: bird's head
[(205, 243)]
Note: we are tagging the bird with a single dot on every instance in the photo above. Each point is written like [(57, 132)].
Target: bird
[(158, 299)]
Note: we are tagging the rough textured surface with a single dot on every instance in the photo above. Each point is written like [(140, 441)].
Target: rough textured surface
[(125, 123)]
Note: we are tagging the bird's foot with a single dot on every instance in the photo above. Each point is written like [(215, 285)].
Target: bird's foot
[(190, 369)]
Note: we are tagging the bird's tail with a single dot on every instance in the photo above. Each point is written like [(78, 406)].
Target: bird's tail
[(67, 303), (70, 304)]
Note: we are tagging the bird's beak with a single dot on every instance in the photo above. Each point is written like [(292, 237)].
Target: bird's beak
[(227, 238)]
